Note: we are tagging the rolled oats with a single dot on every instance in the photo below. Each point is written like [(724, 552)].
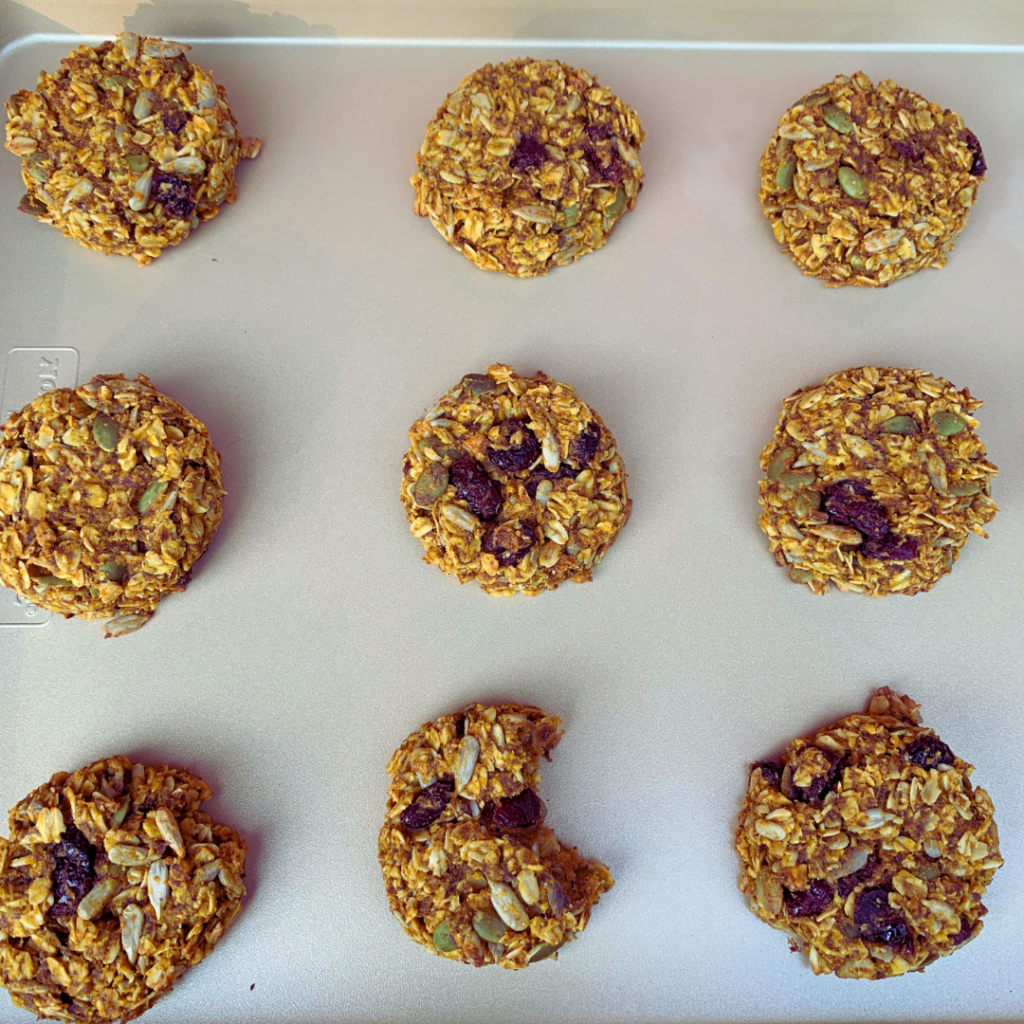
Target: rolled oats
[(82, 937), (109, 493), (470, 870), (126, 148), (513, 482), (528, 164), (874, 480), (865, 184)]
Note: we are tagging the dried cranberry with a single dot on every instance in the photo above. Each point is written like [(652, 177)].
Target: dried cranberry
[(821, 783), (564, 472), (615, 171), (910, 149), (770, 771), (476, 488), (508, 542), (928, 752), (428, 805), (175, 120), (878, 922), (849, 503), (847, 884), (808, 902), (73, 875), (174, 194), (519, 448), (520, 811), (598, 131), (963, 935), (979, 167), (582, 450), (529, 152), (892, 548)]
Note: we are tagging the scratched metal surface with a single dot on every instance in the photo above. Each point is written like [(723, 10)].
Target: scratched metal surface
[(311, 323)]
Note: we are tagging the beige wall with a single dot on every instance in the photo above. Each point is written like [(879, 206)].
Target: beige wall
[(946, 21)]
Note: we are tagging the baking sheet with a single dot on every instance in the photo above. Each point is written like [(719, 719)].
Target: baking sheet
[(311, 323)]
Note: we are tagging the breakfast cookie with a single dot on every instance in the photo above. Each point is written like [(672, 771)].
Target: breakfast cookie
[(866, 184), (874, 480), (126, 148), (514, 483), (112, 883), (868, 845), (109, 493), (470, 870), (528, 164)]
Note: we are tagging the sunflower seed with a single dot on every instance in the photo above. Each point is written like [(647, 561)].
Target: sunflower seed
[(544, 489), (854, 860), (188, 165), (208, 872), (769, 891), (79, 191), (465, 763), (122, 625), (122, 812), (139, 198), (459, 517), (945, 422), (97, 898), (230, 881), (509, 909), (163, 48), (936, 470), (529, 889), (120, 134), (128, 855), (105, 432), (534, 214), (838, 119), (840, 534), (550, 452), (852, 183), (157, 887), (555, 895), (965, 489), (798, 575), (882, 239), (143, 105), (131, 930), (169, 830), (207, 96), (130, 45)]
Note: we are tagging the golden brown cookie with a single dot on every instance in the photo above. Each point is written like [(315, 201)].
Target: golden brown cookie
[(126, 148), (470, 870), (112, 883), (528, 164), (865, 184), (874, 480), (868, 845), (109, 493), (514, 483)]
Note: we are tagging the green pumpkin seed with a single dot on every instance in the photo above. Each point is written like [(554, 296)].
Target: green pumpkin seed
[(488, 926), (807, 501), (35, 168), (852, 183), (904, 425), (137, 162), (572, 215), (838, 119), (816, 98), (150, 494), (478, 383), (793, 480), (115, 82), (52, 581), (798, 575), (963, 490), (946, 422), (439, 448), (543, 951), (105, 432), (113, 570), (857, 261), (611, 212), (443, 940), (430, 484), (784, 175), (781, 461)]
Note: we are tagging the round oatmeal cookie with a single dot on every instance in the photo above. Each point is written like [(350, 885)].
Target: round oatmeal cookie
[(470, 870), (873, 481), (126, 148), (112, 883), (514, 483), (868, 845), (866, 184), (109, 493), (528, 164)]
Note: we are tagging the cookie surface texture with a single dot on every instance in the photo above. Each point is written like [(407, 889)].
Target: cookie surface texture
[(865, 184), (470, 870), (127, 147), (112, 883), (874, 480), (514, 483), (528, 164), (109, 493), (868, 844)]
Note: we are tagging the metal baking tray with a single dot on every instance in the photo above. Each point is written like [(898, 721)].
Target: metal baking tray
[(311, 323)]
